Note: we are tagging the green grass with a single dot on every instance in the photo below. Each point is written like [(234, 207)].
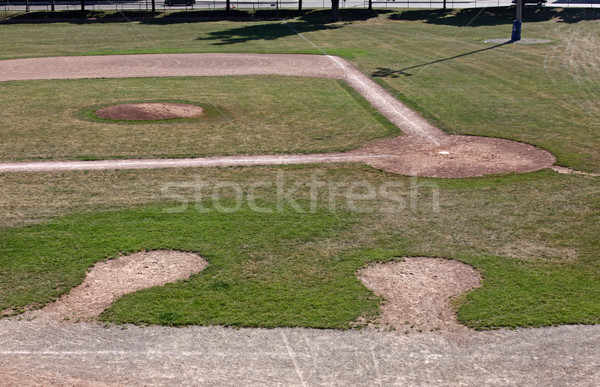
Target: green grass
[(246, 115), (534, 294), (538, 253), (534, 237), (264, 270)]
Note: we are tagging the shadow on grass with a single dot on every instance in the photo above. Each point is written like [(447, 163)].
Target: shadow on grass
[(476, 17), (309, 21), (383, 72), (309, 17), (78, 17)]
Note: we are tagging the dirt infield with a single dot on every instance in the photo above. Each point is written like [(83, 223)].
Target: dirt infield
[(423, 150), (455, 156)]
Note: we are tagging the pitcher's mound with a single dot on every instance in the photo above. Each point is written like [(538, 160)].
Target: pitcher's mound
[(149, 111)]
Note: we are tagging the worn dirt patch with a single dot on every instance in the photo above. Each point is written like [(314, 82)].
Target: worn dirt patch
[(417, 292), (106, 281), (21, 375), (149, 111), (456, 156)]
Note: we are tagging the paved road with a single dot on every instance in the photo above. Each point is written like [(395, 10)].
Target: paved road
[(35, 353)]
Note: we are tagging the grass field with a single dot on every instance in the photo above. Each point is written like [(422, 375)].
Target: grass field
[(247, 115), (537, 252), (534, 237)]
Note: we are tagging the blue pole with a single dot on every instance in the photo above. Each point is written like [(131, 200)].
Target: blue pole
[(516, 30)]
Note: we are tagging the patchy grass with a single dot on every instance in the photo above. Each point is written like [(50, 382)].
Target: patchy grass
[(537, 252), (534, 237), (246, 115), (265, 270)]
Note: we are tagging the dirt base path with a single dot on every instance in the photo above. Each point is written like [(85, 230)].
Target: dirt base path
[(424, 150)]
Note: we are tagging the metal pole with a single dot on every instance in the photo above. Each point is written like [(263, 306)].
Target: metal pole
[(516, 31)]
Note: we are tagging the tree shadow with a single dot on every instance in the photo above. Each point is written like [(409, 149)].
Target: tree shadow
[(383, 72), (77, 17), (312, 19), (315, 20), (271, 31), (476, 17)]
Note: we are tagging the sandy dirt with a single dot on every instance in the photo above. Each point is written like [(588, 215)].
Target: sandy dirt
[(417, 293), (149, 111), (35, 352), (108, 280), (455, 156), (569, 171)]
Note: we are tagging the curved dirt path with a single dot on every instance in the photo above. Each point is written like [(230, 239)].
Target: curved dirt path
[(109, 280), (424, 150)]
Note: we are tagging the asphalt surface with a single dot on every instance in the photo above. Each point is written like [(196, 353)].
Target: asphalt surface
[(35, 353)]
